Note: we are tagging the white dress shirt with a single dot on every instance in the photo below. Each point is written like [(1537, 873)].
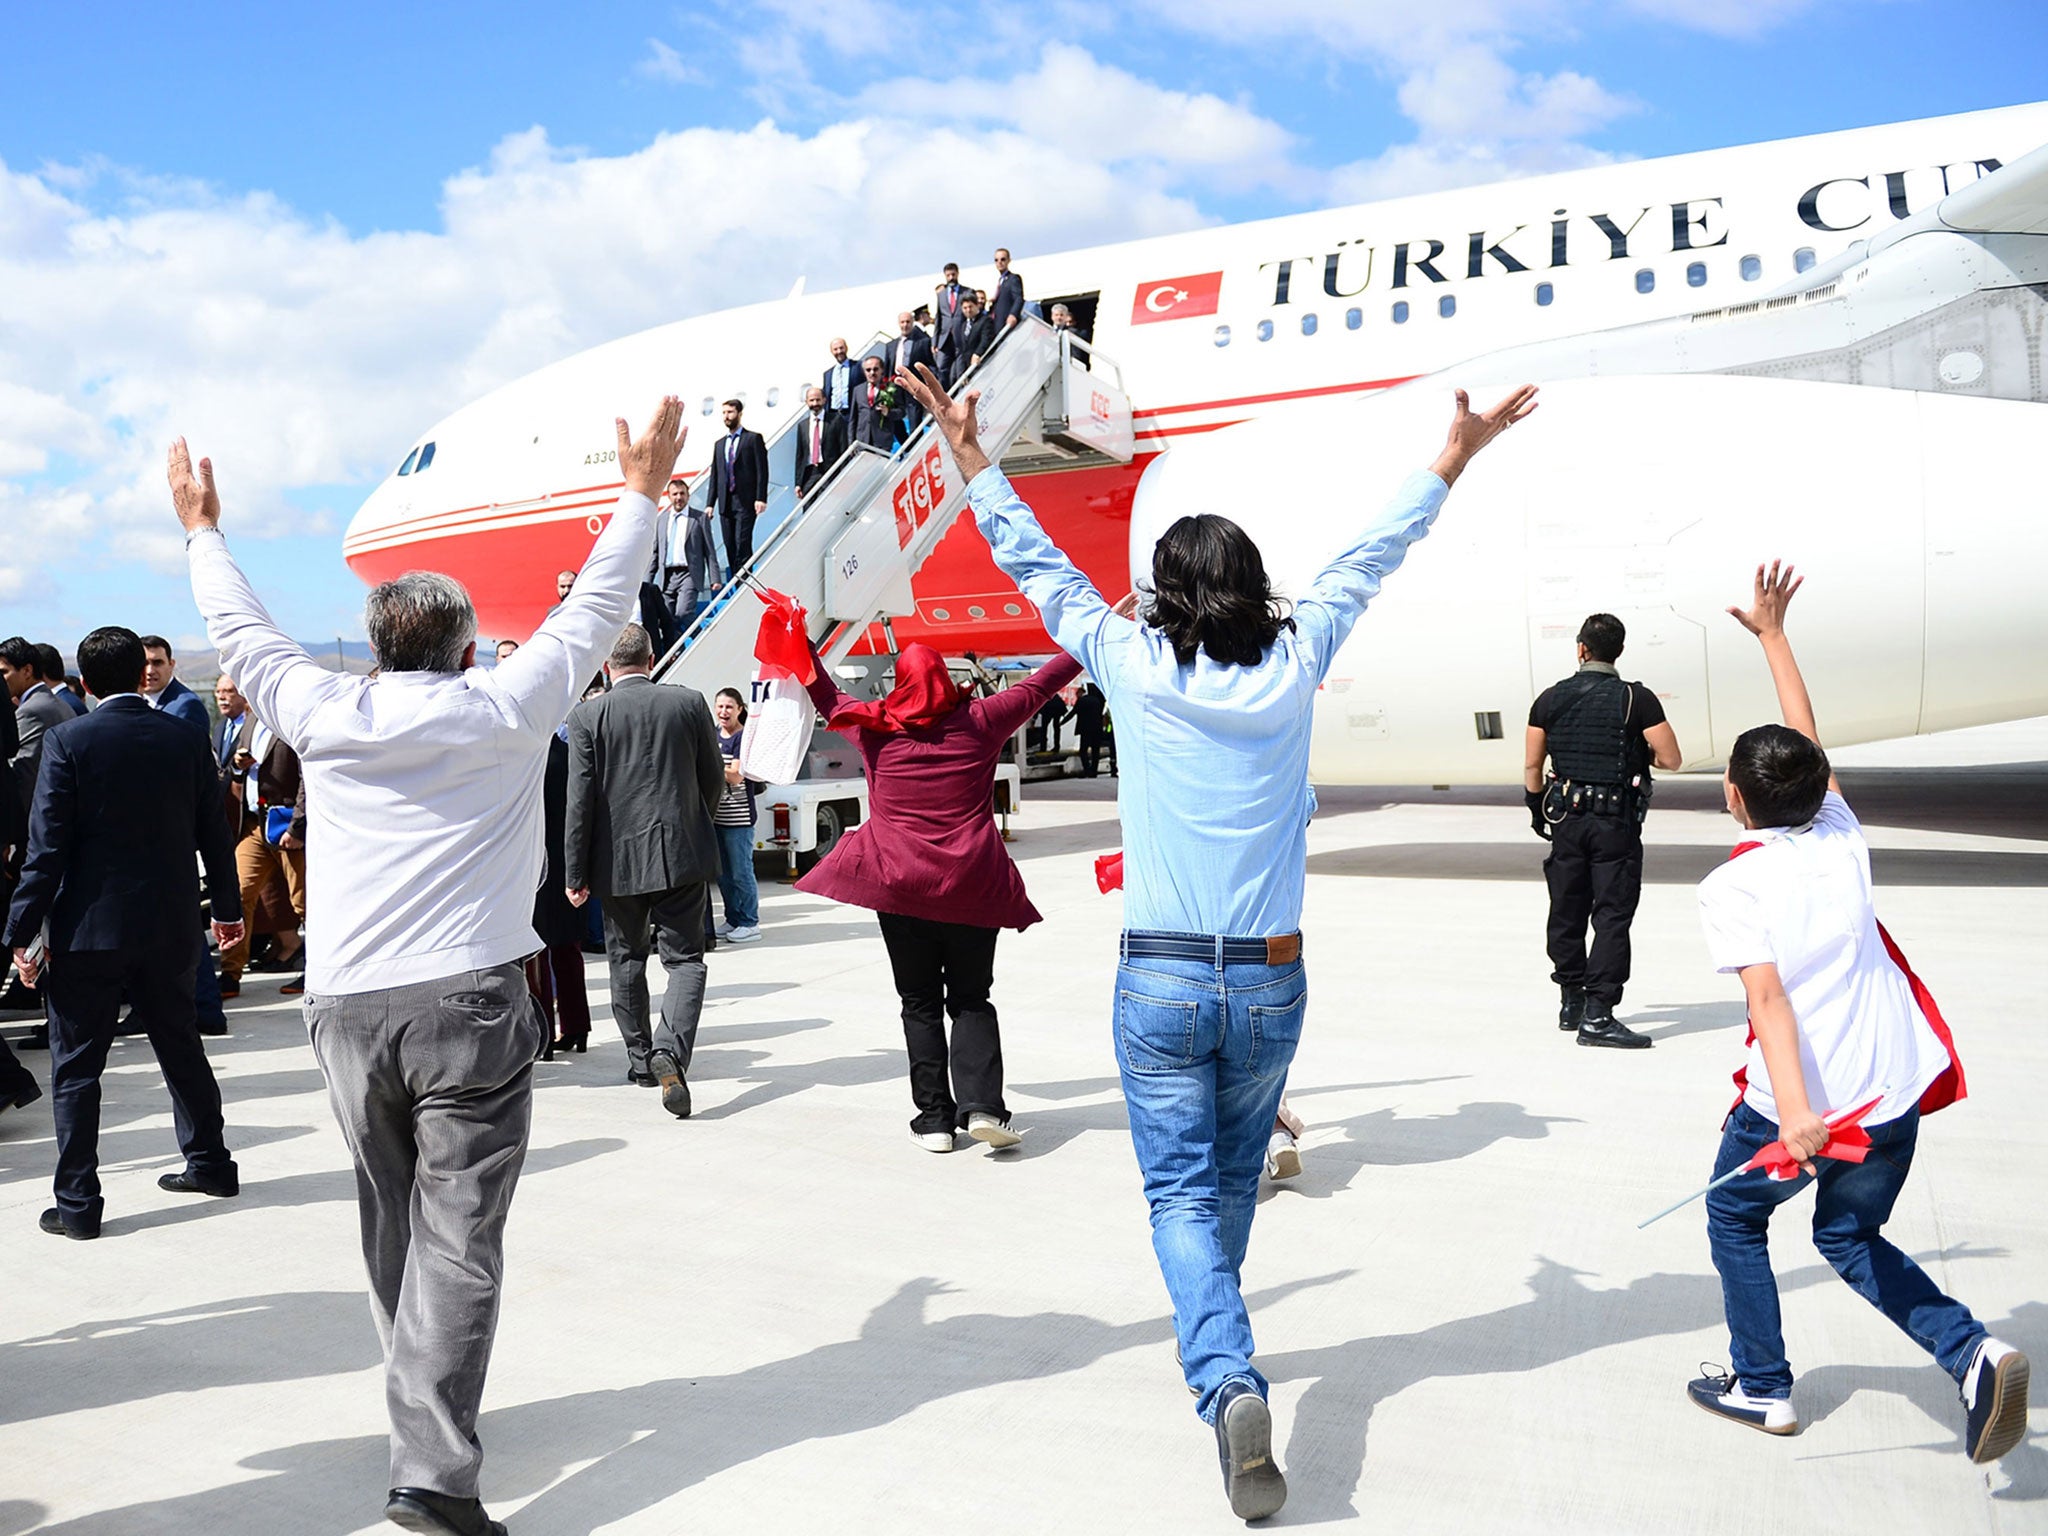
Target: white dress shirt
[(423, 789)]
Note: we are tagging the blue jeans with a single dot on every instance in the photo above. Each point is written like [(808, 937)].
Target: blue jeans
[(1204, 1051), (1852, 1202), (736, 876)]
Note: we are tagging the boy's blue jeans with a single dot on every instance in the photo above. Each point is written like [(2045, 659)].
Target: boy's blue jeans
[(1204, 1051), (1852, 1201)]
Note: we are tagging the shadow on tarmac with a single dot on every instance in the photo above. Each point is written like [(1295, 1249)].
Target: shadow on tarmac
[(1668, 864)]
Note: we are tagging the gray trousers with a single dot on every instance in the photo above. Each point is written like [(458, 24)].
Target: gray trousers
[(433, 1086), (631, 925), (696, 579)]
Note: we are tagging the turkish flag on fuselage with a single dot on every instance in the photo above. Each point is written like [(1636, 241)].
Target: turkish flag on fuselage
[(1176, 298)]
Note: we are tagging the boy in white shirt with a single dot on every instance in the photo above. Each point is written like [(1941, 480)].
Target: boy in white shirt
[(1835, 1022)]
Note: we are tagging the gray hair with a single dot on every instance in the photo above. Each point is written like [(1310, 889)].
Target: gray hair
[(632, 650), (420, 622)]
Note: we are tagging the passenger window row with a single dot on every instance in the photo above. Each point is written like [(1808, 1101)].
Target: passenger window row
[(1751, 269)]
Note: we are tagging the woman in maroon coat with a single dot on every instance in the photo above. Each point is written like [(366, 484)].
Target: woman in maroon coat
[(929, 860)]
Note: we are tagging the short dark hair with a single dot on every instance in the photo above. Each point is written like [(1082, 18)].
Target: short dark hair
[(738, 405), (633, 648), (49, 663), (951, 266), (734, 695), (17, 652), (1783, 775), (1210, 592), (157, 643), (110, 660), (1603, 637)]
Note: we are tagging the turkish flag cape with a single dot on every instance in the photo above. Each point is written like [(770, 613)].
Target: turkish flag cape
[(1945, 1089)]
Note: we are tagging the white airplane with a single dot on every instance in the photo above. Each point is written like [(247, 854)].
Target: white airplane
[(1829, 349)]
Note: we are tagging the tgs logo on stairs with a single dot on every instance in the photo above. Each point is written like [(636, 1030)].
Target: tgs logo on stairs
[(922, 489)]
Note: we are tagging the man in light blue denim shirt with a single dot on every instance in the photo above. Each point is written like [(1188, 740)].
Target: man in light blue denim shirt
[(1213, 689)]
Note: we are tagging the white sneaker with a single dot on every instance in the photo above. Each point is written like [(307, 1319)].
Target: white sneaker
[(1283, 1157), (723, 930), (988, 1129), (1720, 1393), (933, 1141), (746, 935)]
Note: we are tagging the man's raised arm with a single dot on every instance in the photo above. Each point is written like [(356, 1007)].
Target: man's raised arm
[(281, 682), (547, 675)]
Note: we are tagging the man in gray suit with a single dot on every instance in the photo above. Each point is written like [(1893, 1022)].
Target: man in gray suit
[(644, 774), (36, 709)]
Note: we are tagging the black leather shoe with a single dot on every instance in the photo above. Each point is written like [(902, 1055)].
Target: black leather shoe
[(24, 1093), (53, 1222), (186, 1182), (1244, 1445), (1601, 1027), (420, 1509), (207, 1028), (296, 987), (675, 1093), (643, 1079), (230, 986), (1571, 1007)]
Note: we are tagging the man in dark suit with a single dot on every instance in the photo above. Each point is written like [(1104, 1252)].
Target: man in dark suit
[(52, 670), (819, 441), (686, 552), (644, 774), (874, 410), (1008, 307), (839, 383), (910, 348), (18, 1087), (162, 690), (975, 338), (948, 313), (739, 486), (123, 801)]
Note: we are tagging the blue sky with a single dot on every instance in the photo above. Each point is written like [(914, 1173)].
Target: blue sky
[(301, 233)]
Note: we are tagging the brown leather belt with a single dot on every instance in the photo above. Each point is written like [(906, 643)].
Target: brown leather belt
[(1217, 949)]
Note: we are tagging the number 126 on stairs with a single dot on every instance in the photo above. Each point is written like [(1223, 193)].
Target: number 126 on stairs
[(914, 496)]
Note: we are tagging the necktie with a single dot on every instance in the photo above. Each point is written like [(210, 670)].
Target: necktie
[(817, 429), (871, 397)]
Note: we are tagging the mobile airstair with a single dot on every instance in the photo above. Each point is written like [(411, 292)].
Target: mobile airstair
[(847, 551)]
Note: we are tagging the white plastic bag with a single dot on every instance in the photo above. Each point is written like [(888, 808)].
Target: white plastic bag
[(778, 731)]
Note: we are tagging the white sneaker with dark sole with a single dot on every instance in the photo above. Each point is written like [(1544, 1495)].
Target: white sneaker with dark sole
[(1994, 1401), (933, 1141), (1721, 1394), (746, 935), (991, 1132)]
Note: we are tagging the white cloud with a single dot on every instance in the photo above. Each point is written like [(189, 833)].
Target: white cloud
[(1094, 110), (664, 63)]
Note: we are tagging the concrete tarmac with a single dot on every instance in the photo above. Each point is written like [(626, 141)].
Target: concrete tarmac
[(782, 1315)]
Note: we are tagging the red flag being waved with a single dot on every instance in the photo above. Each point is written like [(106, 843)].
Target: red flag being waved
[(782, 645), (1109, 871), (1847, 1142), (1177, 298)]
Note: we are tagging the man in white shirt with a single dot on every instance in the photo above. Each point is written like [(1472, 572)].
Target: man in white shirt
[(424, 796)]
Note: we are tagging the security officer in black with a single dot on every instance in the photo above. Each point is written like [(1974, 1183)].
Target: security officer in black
[(1601, 735)]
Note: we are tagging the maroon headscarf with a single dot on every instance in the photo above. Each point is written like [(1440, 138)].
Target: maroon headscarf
[(924, 692)]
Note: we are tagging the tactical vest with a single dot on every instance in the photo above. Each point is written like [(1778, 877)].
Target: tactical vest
[(1589, 738)]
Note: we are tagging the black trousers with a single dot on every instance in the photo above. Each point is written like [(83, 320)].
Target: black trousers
[(15, 1079), (738, 527), (1092, 748), (1595, 873), (947, 968), (85, 990)]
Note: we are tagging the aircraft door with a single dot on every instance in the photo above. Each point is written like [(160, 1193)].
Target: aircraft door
[(1581, 564)]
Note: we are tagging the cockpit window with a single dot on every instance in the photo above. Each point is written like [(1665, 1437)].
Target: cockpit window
[(406, 467), (426, 458)]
